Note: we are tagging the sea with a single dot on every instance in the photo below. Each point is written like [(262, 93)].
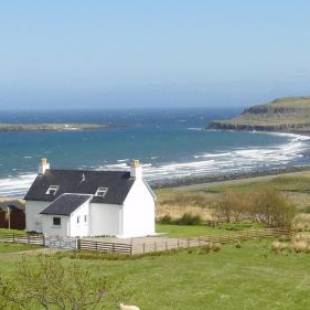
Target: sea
[(173, 145)]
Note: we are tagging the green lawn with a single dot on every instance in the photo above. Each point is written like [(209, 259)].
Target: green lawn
[(201, 230), (5, 231), (250, 277), (15, 247)]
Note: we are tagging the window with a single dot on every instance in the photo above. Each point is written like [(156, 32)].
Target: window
[(101, 191), (85, 218), (52, 190), (78, 220), (56, 221)]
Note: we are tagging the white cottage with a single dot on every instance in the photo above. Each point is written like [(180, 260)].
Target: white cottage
[(90, 203)]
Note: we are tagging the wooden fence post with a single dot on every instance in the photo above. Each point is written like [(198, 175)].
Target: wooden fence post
[(43, 240), (113, 247), (143, 247), (78, 243)]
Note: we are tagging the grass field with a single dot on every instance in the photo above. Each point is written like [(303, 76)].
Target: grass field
[(201, 230), (250, 277), (4, 231), (202, 198), (14, 247)]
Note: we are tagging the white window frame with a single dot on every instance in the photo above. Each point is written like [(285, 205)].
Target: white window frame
[(52, 190), (101, 191)]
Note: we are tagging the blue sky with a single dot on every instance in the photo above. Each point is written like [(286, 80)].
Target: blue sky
[(99, 54)]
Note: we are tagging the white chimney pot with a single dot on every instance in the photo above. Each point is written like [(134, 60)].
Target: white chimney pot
[(44, 165), (136, 169)]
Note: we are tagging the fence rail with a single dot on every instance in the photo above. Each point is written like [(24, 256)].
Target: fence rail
[(108, 247), (179, 243), (29, 239), (139, 247)]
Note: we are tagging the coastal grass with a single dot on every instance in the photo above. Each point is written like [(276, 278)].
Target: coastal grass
[(248, 276), (203, 198)]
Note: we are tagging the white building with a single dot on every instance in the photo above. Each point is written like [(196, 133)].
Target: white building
[(90, 203)]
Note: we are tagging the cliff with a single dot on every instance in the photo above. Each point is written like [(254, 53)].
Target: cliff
[(285, 114)]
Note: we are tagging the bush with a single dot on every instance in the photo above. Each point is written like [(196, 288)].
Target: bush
[(167, 219), (48, 284), (189, 219), (232, 206), (273, 208), (216, 247)]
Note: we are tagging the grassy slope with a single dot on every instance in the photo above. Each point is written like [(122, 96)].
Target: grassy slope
[(247, 278), (279, 114), (296, 185)]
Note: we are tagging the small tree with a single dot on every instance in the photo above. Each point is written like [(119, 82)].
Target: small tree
[(50, 284), (232, 206), (273, 208)]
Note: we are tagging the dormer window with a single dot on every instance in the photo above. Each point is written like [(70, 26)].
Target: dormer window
[(101, 191), (52, 190)]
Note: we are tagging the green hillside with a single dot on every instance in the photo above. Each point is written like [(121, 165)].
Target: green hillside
[(286, 114)]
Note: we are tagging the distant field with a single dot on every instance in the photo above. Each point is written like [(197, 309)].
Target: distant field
[(205, 196), (250, 277)]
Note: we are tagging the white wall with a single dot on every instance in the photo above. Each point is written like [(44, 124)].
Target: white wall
[(104, 219), (33, 216), (138, 211), (80, 229), (49, 229)]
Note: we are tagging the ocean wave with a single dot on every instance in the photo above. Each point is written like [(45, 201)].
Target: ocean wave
[(16, 186), (238, 160)]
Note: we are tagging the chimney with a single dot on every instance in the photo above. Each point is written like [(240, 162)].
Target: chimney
[(44, 165), (136, 169)]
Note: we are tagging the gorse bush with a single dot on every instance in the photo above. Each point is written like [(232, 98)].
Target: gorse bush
[(185, 219), (167, 219), (189, 219)]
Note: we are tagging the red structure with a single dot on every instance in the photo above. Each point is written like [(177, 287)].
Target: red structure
[(17, 217)]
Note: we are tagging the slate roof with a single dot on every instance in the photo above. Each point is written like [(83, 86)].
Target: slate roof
[(82, 182), (65, 204)]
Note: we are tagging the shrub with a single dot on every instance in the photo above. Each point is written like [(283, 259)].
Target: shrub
[(238, 244), (48, 284), (232, 206), (278, 246), (273, 208), (189, 219), (216, 247), (167, 219), (299, 246), (205, 249)]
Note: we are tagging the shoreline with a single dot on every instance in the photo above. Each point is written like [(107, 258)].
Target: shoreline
[(205, 180)]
